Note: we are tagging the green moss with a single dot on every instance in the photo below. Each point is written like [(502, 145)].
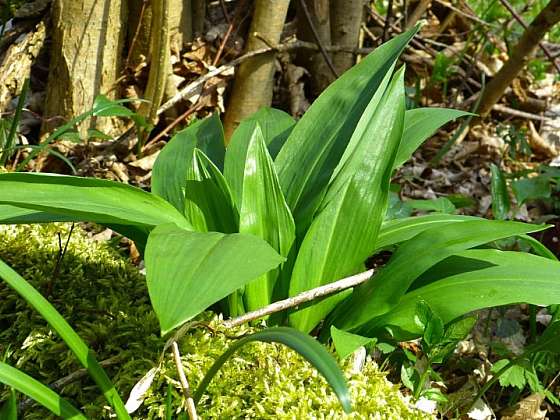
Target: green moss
[(105, 299)]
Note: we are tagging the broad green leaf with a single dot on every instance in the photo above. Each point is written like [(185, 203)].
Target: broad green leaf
[(441, 205), (306, 346), (399, 230), (419, 125), (380, 295), (307, 160), (17, 215), (84, 355), (343, 234), (189, 271), (531, 188), (347, 343), (8, 411), (172, 164), (276, 126), (209, 204), (264, 214), (38, 392), (500, 195), (87, 199), (476, 279), (353, 156)]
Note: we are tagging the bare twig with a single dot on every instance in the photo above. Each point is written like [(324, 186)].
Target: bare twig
[(520, 114), (68, 379), (193, 87), (303, 297), (191, 409), (543, 47), (317, 38), (388, 18)]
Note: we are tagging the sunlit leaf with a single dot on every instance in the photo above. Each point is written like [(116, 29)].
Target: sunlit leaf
[(189, 271)]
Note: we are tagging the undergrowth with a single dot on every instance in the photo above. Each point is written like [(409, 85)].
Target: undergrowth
[(105, 299)]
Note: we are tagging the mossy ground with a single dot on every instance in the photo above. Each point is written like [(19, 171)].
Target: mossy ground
[(105, 299)]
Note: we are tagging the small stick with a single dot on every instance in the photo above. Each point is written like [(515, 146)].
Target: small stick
[(303, 297), (191, 409), (318, 38), (516, 113), (518, 18)]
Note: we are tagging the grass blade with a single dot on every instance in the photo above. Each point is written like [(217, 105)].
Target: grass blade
[(64, 330), (306, 346), (38, 392)]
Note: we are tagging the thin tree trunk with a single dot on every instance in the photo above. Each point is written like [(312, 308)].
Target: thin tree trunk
[(521, 53), (315, 63), (86, 55), (417, 13), (199, 14), (346, 18), (253, 84), (159, 60)]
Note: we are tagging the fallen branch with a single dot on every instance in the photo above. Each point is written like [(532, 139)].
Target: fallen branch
[(303, 297)]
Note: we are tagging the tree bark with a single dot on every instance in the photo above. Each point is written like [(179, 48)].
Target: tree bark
[(314, 62), (86, 55), (521, 53), (417, 13), (346, 18), (253, 83)]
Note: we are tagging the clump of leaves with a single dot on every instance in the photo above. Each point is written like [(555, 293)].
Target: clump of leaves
[(264, 380)]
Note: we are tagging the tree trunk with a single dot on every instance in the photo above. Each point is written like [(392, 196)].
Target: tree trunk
[(520, 55), (253, 84), (180, 27), (86, 55), (314, 62), (417, 13), (199, 14), (346, 18)]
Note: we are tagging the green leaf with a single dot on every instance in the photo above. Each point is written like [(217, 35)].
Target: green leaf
[(472, 280), (264, 214), (531, 188), (87, 199), (209, 204), (189, 271), (500, 195), (8, 411), (38, 392), (399, 230), (71, 338), (441, 205), (347, 343), (429, 323), (276, 126), (307, 160), (306, 346), (419, 125), (380, 295), (343, 234), (169, 174), (514, 376)]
